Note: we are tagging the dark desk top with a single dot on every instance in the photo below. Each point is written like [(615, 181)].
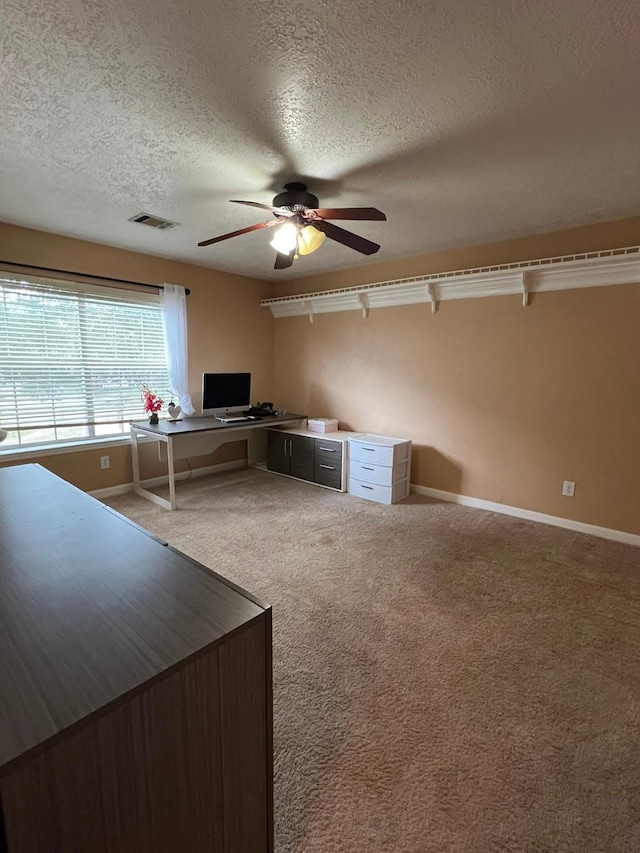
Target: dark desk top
[(91, 607), (188, 425)]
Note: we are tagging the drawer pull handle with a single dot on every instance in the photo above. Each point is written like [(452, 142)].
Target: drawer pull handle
[(328, 449), (330, 467), (370, 449), (364, 468), (367, 487)]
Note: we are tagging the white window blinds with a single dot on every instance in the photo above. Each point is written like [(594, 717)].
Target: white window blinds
[(73, 357)]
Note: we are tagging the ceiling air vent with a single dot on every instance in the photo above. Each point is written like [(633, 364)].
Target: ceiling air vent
[(153, 221)]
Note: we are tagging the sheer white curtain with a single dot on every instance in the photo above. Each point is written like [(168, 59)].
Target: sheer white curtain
[(174, 313)]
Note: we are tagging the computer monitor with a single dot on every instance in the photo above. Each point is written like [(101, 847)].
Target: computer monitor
[(225, 393)]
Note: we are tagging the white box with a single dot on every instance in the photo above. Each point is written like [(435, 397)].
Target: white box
[(322, 424)]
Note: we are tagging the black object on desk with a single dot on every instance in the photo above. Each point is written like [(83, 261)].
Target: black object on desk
[(262, 410)]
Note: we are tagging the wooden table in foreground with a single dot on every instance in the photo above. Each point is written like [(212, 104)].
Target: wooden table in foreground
[(135, 686), (195, 437)]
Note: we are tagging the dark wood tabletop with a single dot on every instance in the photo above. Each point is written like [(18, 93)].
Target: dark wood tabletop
[(91, 608), (188, 425)]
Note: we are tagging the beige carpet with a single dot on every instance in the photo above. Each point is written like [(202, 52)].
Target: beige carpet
[(445, 679)]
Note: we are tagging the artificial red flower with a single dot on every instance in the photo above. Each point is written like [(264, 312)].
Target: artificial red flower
[(152, 403)]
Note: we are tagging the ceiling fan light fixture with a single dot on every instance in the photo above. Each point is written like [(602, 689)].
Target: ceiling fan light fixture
[(285, 238), (310, 239), (296, 210)]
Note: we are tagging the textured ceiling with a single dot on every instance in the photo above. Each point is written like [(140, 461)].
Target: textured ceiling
[(465, 121)]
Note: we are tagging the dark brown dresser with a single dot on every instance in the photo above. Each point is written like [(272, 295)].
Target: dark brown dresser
[(135, 686)]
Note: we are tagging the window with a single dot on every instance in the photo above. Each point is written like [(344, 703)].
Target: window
[(73, 358)]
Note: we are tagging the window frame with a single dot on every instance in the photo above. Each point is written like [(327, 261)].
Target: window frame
[(81, 296)]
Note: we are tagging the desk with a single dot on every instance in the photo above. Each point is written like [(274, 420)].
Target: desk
[(135, 686), (195, 437)]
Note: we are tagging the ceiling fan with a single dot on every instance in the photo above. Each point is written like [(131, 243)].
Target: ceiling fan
[(304, 225)]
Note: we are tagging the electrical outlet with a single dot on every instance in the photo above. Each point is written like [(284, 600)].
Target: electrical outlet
[(568, 488), (104, 462)]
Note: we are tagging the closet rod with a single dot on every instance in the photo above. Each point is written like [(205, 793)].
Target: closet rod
[(88, 275)]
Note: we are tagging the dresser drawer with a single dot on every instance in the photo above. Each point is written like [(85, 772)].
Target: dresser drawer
[(382, 475), (378, 493), (373, 453), (329, 452), (329, 473)]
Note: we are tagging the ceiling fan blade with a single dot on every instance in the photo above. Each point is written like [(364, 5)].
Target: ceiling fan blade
[(257, 227), (279, 211), (350, 213), (347, 238), (283, 261)]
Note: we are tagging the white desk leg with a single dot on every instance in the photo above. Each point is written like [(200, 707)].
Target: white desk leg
[(172, 474), (135, 459), (137, 483)]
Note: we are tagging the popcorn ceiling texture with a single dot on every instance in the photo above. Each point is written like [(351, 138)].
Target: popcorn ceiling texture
[(464, 121)]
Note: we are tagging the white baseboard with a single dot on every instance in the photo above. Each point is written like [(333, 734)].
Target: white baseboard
[(438, 494), (530, 515), (123, 488)]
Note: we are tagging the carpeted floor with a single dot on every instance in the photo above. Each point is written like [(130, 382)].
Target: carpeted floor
[(446, 680)]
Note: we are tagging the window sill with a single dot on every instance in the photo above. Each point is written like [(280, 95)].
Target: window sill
[(37, 451)]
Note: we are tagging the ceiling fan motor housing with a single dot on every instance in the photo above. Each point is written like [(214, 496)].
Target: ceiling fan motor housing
[(295, 195)]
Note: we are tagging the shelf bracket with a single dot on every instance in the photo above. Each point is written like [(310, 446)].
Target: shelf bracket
[(364, 304), (432, 298), (525, 289), (309, 307)]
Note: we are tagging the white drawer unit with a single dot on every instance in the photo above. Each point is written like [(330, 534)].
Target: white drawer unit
[(379, 468)]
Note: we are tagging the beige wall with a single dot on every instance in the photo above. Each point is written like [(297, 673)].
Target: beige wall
[(228, 330), (502, 403)]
